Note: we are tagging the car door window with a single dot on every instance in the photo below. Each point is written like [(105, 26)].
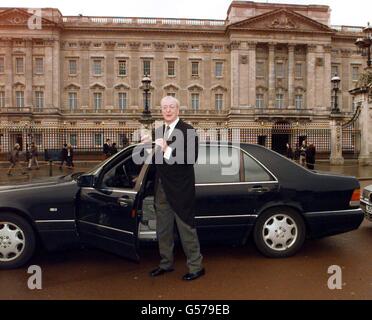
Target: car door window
[(217, 164), (123, 174), (254, 172)]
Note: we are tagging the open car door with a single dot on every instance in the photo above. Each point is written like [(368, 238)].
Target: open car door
[(107, 212)]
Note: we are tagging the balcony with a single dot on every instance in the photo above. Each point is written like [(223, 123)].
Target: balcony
[(74, 21), (284, 113)]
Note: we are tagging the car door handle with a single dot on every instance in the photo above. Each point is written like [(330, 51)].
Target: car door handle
[(123, 203), (258, 189)]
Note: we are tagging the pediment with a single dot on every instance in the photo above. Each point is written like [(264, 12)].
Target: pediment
[(195, 87), (20, 17), (72, 86), (218, 87), (281, 20), (122, 86), (98, 86), (171, 86)]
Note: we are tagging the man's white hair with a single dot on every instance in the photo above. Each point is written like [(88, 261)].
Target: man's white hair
[(170, 98)]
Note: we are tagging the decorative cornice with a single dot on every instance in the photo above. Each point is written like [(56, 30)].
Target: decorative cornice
[(311, 48), (83, 44), (159, 45), (183, 45), (234, 45), (134, 45), (207, 46), (110, 44)]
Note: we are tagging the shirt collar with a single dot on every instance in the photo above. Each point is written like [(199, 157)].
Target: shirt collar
[(173, 124)]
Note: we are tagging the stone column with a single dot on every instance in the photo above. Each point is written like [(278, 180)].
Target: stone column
[(336, 140), (310, 82), (110, 75), (9, 75), (28, 75), (271, 75), (290, 75), (235, 75), (365, 126), (84, 68), (50, 75), (252, 74), (327, 92)]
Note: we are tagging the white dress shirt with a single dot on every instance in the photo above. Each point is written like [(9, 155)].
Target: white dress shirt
[(168, 152)]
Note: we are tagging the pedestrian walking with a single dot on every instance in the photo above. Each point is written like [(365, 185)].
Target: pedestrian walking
[(63, 156), (70, 156), (289, 152), (107, 148), (310, 156), (33, 157), (113, 149), (303, 153), (14, 159)]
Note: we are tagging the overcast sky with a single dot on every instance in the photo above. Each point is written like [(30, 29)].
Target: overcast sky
[(353, 13)]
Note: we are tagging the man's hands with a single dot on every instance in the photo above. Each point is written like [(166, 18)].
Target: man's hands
[(162, 144)]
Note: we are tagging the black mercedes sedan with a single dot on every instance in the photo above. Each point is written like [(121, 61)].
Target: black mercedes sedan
[(243, 192)]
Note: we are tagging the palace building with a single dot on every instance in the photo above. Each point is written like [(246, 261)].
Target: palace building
[(265, 66)]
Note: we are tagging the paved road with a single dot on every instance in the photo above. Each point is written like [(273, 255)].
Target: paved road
[(232, 273)]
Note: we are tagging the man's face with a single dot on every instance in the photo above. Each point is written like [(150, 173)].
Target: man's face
[(169, 110)]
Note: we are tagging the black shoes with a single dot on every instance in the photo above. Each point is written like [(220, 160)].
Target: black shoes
[(194, 276), (187, 277), (159, 271)]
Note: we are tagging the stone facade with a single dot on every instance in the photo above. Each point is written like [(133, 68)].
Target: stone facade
[(265, 63)]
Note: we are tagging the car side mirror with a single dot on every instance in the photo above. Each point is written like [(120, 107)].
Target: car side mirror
[(86, 181)]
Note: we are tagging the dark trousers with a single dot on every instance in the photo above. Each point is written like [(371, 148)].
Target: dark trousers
[(165, 218)]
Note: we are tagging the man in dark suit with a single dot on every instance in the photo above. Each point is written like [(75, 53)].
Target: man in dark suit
[(175, 154)]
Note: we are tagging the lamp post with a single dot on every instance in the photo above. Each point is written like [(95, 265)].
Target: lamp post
[(364, 44), (146, 118), (336, 87)]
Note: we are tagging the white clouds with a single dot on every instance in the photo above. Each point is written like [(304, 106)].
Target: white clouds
[(357, 12)]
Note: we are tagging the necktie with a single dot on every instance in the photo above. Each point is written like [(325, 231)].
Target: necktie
[(166, 133)]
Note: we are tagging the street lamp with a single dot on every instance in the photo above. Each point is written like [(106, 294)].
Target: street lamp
[(146, 82), (364, 44), (336, 87)]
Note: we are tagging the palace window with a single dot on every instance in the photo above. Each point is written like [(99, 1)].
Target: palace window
[(260, 69), (171, 68), (279, 103), (279, 70), (335, 70), (259, 101), (219, 69), (98, 139), (299, 101), (122, 100), (146, 67), (72, 101), (2, 64), (39, 65), (218, 101), (20, 99), (39, 100), (2, 99), (72, 67), (122, 67), (97, 67), (355, 73), (298, 71), (97, 101), (195, 68), (20, 68), (195, 102)]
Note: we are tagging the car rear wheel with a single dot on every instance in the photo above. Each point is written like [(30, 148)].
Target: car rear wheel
[(17, 241), (279, 233)]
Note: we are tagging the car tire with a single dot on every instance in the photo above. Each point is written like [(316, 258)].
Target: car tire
[(17, 241), (279, 232)]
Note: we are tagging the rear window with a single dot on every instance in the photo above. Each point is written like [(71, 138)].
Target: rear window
[(254, 172)]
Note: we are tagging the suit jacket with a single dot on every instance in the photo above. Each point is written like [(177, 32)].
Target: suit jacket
[(177, 174)]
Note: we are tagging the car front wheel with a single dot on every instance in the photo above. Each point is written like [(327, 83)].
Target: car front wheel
[(17, 241), (279, 233)]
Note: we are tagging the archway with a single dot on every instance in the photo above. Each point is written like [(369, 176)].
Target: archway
[(281, 135)]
